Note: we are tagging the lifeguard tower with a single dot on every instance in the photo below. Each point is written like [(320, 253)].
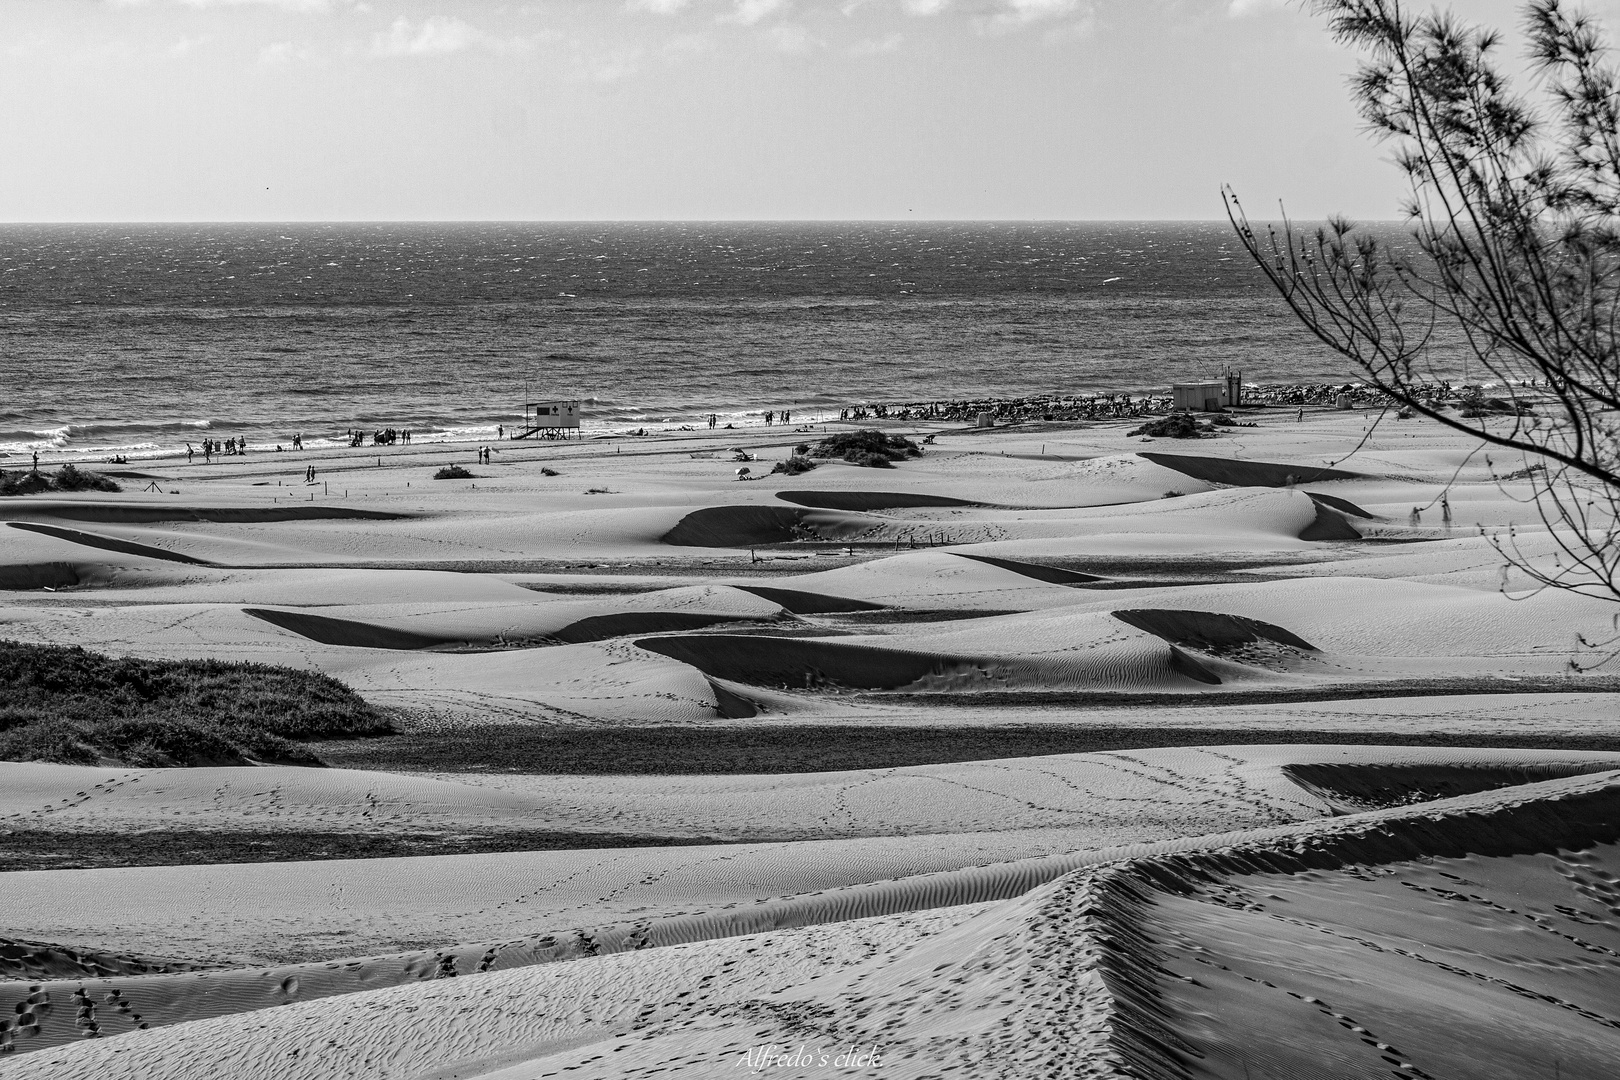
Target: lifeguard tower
[(550, 420), (1210, 395)]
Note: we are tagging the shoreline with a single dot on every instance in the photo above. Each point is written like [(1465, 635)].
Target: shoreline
[(1051, 407)]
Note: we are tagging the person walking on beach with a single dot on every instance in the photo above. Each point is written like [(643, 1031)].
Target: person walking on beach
[(36, 461), (1445, 510)]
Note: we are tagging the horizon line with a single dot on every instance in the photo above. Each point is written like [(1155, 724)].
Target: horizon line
[(657, 221)]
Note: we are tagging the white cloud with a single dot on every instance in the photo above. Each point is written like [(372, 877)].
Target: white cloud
[(1020, 12), (441, 35), (612, 66), (434, 36), (184, 47), (749, 12), (282, 52), (658, 7), (285, 5), (792, 39), (924, 7), (1066, 20), (1239, 9), (877, 46)]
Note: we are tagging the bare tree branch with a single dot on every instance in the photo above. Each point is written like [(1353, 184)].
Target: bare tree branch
[(1515, 217)]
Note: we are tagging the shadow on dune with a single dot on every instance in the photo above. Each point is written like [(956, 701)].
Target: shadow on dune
[(1052, 575), (1342, 505), (125, 514), (801, 662), (748, 526), (868, 500), (1209, 631), (1215, 470), (364, 635), (109, 543), (809, 603), (47, 575), (1356, 788), (1329, 524), (816, 663)]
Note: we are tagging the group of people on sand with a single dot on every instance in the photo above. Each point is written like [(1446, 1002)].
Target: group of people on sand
[(234, 445), (381, 437), (772, 416), (483, 455)]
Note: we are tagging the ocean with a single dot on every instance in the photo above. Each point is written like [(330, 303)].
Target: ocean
[(134, 339)]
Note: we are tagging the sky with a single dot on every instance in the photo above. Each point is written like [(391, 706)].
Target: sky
[(335, 110)]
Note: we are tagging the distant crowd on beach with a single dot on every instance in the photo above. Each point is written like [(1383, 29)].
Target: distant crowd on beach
[(229, 447), (381, 437)]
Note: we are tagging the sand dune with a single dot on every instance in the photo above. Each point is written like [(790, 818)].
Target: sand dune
[(39, 795), (605, 681), (1336, 629), (1198, 911), (1089, 652), (413, 626), (937, 580), (1275, 948), (1244, 520), (319, 588), (972, 813)]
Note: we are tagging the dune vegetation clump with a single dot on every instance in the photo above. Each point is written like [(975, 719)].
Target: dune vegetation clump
[(1175, 426), (873, 449), (794, 465), (66, 704), (453, 472), (67, 478)]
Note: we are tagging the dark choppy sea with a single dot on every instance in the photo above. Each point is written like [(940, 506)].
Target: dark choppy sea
[(136, 338)]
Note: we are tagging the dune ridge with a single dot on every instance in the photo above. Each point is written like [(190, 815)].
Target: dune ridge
[(1052, 575), (812, 663), (862, 501), (1100, 907)]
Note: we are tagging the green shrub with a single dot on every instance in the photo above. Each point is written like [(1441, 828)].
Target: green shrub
[(70, 705), (874, 449), (795, 465), (1175, 426), (453, 472), (67, 478)]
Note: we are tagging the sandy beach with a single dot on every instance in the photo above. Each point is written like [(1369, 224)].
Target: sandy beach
[(1054, 750)]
